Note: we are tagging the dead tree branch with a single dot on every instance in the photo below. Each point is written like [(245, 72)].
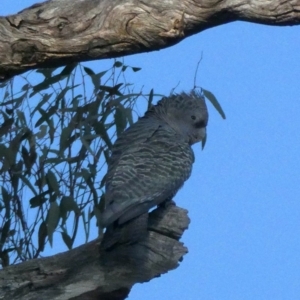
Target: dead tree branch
[(84, 273), (56, 33)]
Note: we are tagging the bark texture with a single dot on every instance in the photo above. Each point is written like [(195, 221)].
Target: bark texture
[(85, 273), (60, 32)]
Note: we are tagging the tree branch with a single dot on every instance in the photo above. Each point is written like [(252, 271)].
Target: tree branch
[(84, 273), (57, 33)]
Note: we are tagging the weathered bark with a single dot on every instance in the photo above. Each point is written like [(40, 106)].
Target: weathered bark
[(84, 273), (60, 32)]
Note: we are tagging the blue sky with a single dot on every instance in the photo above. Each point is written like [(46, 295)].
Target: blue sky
[(243, 197)]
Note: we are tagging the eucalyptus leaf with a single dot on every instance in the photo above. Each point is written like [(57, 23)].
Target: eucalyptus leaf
[(211, 97), (52, 220), (67, 240)]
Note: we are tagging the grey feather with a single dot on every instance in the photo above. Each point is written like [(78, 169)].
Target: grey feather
[(150, 162)]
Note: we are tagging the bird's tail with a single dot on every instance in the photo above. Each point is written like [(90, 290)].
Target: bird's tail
[(130, 232)]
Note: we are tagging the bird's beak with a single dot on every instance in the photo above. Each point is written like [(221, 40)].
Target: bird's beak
[(202, 134), (203, 141)]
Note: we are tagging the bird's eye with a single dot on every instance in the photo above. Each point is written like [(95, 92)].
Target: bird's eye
[(193, 117)]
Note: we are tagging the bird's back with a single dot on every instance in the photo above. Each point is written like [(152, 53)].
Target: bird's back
[(149, 163)]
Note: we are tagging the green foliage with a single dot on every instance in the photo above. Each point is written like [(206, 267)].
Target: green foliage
[(211, 97), (55, 141)]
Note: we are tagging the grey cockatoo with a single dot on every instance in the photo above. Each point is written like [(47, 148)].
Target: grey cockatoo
[(150, 162)]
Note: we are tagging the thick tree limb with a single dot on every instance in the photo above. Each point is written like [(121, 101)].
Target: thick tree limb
[(60, 32), (84, 273)]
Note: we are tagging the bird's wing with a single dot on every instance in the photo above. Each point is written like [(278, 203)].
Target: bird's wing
[(145, 174)]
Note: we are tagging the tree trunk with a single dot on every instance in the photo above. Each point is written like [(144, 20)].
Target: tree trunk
[(60, 32), (84, 273)]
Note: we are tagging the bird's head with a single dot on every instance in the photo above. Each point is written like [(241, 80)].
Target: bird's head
[(187, 114)]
